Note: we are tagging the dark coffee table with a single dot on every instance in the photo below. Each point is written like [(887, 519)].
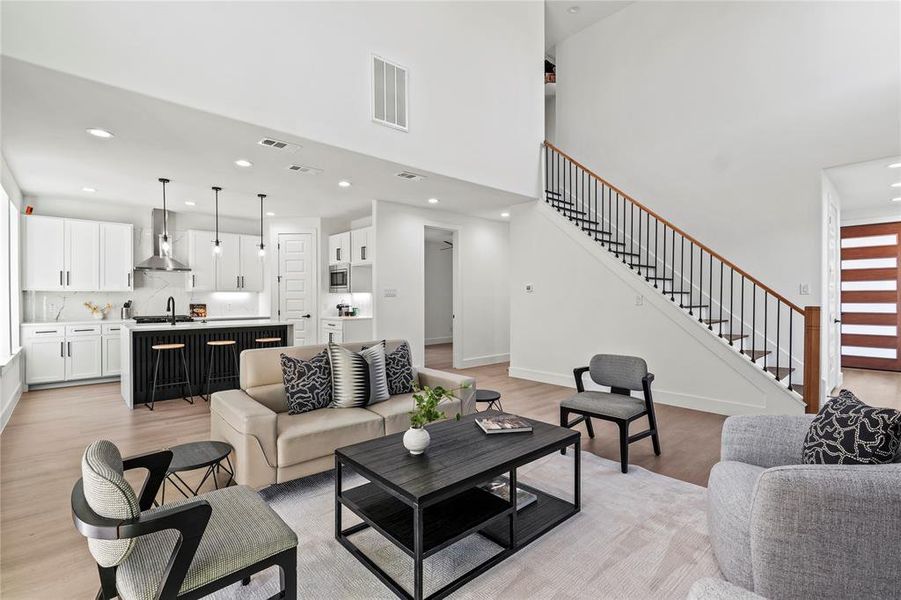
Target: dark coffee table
[(422, 504)]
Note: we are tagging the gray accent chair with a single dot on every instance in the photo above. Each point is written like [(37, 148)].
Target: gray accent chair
[(784, 529), (623, 375), (182, 550)]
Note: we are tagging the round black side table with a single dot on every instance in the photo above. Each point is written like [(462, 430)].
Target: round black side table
[(491, 397), (198, 455)]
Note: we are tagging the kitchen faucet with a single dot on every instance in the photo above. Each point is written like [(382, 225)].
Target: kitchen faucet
[(170, 306)]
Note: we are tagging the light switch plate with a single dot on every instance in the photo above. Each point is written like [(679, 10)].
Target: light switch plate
[(530, 288), (805, 289), (390, 292), (639, 300)]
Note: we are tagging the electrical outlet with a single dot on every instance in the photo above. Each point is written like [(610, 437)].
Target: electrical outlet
[(805, 289), (639, 300), (530, 288)]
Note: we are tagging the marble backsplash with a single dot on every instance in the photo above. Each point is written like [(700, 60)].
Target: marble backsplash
[(151, 290)]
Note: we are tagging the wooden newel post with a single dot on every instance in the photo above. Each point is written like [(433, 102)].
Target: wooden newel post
[(812, 358)]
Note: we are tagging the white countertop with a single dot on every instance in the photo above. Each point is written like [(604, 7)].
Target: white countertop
[(132, 326), (85, 322), (337, 318)]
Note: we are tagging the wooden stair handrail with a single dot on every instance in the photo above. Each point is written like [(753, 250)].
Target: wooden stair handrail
[(718, 256)]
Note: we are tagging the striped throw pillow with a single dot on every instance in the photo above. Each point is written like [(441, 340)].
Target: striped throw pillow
[(350, 378)]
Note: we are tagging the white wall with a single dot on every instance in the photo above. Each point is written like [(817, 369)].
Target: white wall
[(721, 115), (439, 293), (482, 293), (550, 119), (12, 376), (475, 70), (584, 303)]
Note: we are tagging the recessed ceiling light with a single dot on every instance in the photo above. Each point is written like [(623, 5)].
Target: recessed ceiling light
[(896, 199), (896, 184), (344, 184), (573, 10), (505, 214), (896, 165), (241, 162), (189, 203), (101, 133), (88, 189), (270, 214), (433, 200)]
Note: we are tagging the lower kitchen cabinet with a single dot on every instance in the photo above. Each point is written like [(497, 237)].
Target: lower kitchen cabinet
[(84, 357), (45, 360), (111, 353), (56, 353)]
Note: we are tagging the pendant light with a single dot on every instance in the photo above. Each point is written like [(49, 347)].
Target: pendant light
[(165, 246), (262, 246), (217, 245)]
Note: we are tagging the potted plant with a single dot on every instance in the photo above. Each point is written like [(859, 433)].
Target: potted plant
[(417, 439)]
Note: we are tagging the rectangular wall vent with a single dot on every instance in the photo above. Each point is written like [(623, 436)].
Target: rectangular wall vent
[(278, 144), (409, 176), (303, 170), (389, 94)]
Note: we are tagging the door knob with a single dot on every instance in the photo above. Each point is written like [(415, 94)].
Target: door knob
[(836, 320), (307, 316)]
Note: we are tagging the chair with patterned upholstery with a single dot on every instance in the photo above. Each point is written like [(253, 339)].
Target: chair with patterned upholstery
[(623, 375), (183, 550)]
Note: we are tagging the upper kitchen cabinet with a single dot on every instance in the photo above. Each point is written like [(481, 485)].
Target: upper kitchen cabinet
[(116, 256), (361, 246), (201, 260), (251, 267), (45, 253), (63, 254), (228, 265), (339, 248)]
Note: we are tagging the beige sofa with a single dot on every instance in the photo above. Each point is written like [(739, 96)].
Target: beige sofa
[(272, 446)]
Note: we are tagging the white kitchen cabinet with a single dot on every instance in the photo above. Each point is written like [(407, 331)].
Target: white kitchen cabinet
[(112, 356), (228, 265), (361, 246), (45, 359), (82, 255), (344, 330), (202, 260), (45, 253), (116, 256), (339, 248), (84, 357), (251, 267)]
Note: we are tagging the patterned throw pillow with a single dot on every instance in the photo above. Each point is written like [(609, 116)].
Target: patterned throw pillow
[(399, 370), (308, 383), (848, 432), (378, 382), (350, 378)]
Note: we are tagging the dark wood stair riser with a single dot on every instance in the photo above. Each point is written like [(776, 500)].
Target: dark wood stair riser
[(779, 372)]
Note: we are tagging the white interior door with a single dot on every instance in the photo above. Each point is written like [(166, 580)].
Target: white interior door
[(297, 285), (833, 287)]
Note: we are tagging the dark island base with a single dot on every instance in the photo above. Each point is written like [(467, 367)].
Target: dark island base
[(196, 354)]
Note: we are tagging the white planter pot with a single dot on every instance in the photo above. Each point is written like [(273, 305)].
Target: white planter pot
[(416, 440), (98, 315)]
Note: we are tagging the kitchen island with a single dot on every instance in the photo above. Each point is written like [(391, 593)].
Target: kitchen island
[(138, 357)]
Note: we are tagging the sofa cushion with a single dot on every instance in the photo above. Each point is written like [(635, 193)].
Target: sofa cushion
[(730, 494), (847, 431), (308, 383), (272, 396), (396, 411), (605, 403), (318, 433)]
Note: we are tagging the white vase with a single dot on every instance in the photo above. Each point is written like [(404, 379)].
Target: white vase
[(98, 315), (416, 440)]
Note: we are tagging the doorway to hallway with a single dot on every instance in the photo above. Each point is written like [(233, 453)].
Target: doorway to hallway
[(439, 254)]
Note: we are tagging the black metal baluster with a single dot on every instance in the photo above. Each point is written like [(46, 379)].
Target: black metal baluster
[(656, 223), (742, 319), (647, 248), (616, 232), (778, 307), (721, 302), (681, 272), (710, 292), (601, 225), (631, 231), (691, 276), (754, 321), (766, 313), (700, 282), (639, 242), (791, 337), (663, 281), (731, 294)]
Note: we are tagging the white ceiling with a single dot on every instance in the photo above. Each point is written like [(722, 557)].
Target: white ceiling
[(45, 114), (559, 23), (867, 185)]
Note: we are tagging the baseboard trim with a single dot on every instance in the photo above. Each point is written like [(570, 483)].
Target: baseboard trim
[(439, 340), (73, 383), (488, 359), (671, 398), (8, 412)]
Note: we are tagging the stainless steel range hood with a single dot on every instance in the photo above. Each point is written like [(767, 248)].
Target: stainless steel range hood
[(162, 258)]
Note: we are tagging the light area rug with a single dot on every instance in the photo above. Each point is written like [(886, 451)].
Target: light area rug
[(639, 535)]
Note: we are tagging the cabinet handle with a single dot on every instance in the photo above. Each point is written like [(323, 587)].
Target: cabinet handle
[(69, 349), (193, 280), (238, 278), (67, 277), (128, 280), (78, 330), (338, 254), (61, 278), (62, 353), (362, 252), (114, 329), (46, 331)]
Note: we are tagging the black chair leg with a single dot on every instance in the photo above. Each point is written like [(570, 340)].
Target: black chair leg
[(589, 427), (245, 581), (655, 439), (624, 446), (288, 574), (107, 583), (184, 364)]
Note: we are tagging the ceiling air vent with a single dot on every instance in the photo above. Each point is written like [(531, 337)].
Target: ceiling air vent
[(389, 94), (410, 176), (278, 144), (304, 170)]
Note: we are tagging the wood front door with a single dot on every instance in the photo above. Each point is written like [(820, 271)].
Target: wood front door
[(871, 295)]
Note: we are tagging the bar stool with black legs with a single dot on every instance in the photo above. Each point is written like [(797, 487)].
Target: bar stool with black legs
[(227, 373), (268, 342), (159, 349)]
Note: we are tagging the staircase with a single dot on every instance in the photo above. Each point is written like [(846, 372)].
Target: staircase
[(776, 336)]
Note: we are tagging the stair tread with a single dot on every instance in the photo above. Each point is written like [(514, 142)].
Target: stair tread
[(552, 192), (596, 231), (585, 220), (779, 372), (799, 388), (660, 278), (715, 321), (640, 265), (610, 243), (695, 305), (570, 210), (735, 336), (556, 201), (755, 354), (673, 292)]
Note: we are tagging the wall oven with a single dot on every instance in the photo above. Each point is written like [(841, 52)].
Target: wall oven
[(339, 278)]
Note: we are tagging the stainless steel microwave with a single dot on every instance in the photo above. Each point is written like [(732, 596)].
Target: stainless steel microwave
[(339, 278)]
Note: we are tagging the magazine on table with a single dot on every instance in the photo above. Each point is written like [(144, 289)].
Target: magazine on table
[(503, 424)]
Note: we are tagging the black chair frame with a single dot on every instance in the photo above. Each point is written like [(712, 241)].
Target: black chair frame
[(190, 520), (624, 438)]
